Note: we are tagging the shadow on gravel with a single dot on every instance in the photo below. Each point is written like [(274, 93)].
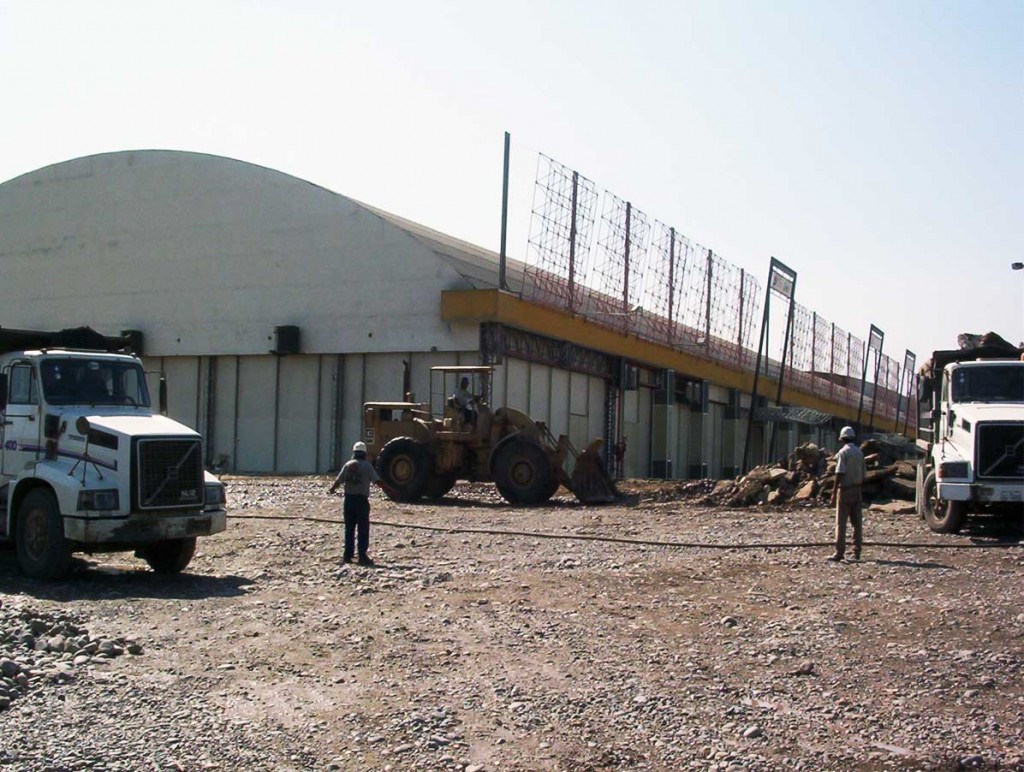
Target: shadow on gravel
[(909, 564), (490, 503), (90, 581), (998, 527)]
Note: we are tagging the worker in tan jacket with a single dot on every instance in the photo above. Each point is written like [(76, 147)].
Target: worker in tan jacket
[(846, 494)]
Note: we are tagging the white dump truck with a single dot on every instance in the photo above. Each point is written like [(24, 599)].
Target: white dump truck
[(971, 427), (87, 464)]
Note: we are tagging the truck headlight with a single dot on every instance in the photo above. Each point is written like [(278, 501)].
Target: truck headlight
[(215, 495), (98, 501), (954, 469)]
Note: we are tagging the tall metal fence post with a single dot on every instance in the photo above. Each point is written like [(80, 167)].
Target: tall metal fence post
[(671, 283), (572, 243), (502, 258), (625, 283), (863, 384), (739, 333), (707, 305), (832, 363)]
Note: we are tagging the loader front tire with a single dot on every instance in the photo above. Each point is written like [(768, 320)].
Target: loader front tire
[(523, 474), (404, 464)]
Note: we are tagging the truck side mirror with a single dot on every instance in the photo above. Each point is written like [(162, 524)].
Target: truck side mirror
[(163, 394), (3, 391)]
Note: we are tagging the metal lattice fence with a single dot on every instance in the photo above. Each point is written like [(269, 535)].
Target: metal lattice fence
[(651, 280)]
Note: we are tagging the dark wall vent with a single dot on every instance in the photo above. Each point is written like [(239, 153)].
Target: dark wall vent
[(286, 339), (134, 339)]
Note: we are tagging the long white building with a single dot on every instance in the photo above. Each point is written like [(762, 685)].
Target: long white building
[(210, 257)]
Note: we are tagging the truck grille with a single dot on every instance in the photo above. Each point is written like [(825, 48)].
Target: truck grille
[(170, 473), (1001, 450)]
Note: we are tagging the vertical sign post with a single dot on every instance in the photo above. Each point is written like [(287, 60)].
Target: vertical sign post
[(909, 361), (875, 339), (782, 281)]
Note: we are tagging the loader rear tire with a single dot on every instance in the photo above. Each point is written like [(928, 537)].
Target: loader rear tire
[(523, 474), (941, 516), (404, 464)]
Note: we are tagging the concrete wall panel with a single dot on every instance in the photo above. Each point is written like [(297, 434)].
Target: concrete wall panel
[(559, 402), (352, 399), (540, 393), (297, 412), (596, 394), (183, 389), (256, 393), (517, 384), (222, 452)]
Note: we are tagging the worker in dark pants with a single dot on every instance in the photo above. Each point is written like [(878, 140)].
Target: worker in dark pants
[(357, 475), (846, 494)]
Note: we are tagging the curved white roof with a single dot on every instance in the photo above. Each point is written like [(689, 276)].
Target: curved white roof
[(207, 255)]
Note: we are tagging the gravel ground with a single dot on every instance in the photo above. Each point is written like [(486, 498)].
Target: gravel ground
[(488, 651)]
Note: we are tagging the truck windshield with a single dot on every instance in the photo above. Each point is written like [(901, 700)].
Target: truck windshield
[(83, 381), (989, 384)]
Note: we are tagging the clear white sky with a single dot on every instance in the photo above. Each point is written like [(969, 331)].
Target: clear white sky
[(874, 147)]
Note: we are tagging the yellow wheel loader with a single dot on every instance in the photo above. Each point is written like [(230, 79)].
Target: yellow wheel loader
[(421, 452)]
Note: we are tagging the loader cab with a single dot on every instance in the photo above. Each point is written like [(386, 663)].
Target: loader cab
[(461, 396)]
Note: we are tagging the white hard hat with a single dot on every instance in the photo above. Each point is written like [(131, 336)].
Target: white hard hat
[(847, 433), (359, 447)]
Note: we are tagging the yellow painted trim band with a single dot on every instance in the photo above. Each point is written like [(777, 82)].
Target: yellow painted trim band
[(491, 305)]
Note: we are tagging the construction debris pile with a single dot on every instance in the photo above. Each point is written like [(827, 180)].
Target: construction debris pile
[(808, 475)]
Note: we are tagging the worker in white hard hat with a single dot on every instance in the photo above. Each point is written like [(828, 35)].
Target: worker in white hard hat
[(846, 494), (357, 475)]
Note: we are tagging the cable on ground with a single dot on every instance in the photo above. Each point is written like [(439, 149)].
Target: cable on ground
[(635, 542)]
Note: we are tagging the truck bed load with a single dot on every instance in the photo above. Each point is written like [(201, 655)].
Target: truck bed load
[(84, 338)]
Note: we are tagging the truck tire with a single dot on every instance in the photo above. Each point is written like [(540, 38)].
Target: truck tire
[(170, 556), (404, 464), (43, 552), (523, 473), (941, 516), (438, 486)]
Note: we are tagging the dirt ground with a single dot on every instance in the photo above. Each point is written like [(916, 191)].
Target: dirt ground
[(649, 634)]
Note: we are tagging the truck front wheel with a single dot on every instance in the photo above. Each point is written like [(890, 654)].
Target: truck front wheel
[(941, 516), (43, 552), (170, 556)]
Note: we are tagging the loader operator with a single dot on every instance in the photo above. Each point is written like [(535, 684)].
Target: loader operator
[(466, 402), (357, 474), (846, 494)]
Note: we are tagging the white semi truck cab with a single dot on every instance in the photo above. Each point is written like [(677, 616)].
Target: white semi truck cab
[(971, 427), (87, 465)]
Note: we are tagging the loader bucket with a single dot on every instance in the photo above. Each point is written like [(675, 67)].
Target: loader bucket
[(590, 481)]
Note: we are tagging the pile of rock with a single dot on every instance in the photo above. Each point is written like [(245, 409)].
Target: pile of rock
[(45, 648), (808, 475)]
